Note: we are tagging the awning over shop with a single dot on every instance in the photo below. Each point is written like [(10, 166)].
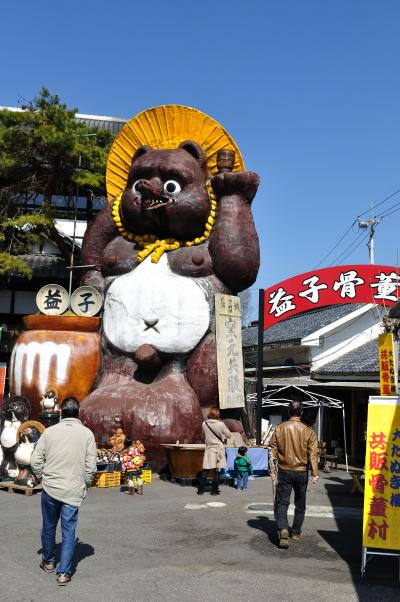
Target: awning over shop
[(302, 381), (280, 396)]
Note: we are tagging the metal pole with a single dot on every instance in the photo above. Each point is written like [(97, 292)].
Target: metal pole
[(71, 265), (371, 245), (260, 363), (345, 440), (319, 423)]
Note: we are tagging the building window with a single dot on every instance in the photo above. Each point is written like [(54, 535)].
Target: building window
[(25, 302), (5, 302)]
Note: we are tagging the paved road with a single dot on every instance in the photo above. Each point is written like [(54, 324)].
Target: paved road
[(170, 545)]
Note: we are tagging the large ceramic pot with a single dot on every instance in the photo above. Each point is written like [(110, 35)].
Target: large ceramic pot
[(185, 460), (60, 353)]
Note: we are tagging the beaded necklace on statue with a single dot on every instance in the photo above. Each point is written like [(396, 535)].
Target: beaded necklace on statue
[(150, 244)]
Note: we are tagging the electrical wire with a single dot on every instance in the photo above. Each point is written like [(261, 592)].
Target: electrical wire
[(385, 213), (354, 248), (350, 248), (391, 213), (335, 246), (380, 203)]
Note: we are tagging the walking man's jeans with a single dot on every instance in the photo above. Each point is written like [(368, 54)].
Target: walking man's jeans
[(242, 479), (288, 480), (51, 511)]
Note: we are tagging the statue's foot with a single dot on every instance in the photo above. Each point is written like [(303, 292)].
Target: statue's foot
[(165, 411)]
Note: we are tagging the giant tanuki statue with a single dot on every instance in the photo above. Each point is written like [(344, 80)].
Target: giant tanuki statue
[(178, 230)]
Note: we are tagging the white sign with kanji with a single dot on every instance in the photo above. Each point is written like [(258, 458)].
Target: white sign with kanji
[(229, 351)]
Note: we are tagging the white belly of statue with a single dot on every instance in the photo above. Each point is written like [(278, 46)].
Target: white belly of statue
[(152, 305), (24, 453)]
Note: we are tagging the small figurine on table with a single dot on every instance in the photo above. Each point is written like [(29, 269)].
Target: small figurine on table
[(49, 402), (102, 456), (132, 462), (28, 435), (13, 413), (117, 441)]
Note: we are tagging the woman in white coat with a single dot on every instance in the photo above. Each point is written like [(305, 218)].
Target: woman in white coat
[(216, 435)]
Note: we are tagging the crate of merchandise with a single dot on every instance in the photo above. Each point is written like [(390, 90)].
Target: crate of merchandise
[(107, 479), (146, 476)]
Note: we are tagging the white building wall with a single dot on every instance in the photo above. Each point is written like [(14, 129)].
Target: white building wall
[(345, 335)]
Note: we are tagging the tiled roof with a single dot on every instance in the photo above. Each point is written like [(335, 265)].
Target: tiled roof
[(363, 360), (295, 328), (46, 266)]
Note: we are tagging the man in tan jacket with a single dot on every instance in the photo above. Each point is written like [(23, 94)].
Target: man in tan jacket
[(294, 445), (65, 460)]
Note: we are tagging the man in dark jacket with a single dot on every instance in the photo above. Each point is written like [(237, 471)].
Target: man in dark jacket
[(294, 445)]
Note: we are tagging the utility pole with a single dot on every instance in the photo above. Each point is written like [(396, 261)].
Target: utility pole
[(371, 224)]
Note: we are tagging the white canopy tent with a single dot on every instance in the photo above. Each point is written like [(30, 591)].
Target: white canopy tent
[(275, 397)]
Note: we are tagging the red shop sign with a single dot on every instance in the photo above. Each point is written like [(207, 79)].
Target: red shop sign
[(331, 286)]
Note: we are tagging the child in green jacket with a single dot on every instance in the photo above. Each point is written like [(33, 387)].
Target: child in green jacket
[(243, 469)]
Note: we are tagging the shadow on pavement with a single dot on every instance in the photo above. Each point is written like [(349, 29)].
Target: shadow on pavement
[(82, 551), (381, 580), (267, 526), (339, 487)]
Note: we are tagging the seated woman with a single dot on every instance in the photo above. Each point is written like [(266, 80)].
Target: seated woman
[(216, 435)]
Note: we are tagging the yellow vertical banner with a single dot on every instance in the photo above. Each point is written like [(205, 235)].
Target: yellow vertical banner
[(388, 368), (381, 519)]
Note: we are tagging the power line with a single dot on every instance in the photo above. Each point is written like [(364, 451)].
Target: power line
[(375, 205), (336, 245), (391, 213), (385, 213), (350, 248), (346, 249)]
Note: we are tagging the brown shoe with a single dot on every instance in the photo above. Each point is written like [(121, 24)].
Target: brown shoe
[(63, 579), (140, 490), (284, 539), (48, 567), (296, 536)]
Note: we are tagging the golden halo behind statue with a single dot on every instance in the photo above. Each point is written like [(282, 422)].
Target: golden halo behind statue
[(34, 423), (165, 127)]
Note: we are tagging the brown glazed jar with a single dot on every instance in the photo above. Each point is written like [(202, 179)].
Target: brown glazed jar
[(59, 353)]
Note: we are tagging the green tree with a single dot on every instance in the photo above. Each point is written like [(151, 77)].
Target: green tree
[(17, 234), (44, 151)]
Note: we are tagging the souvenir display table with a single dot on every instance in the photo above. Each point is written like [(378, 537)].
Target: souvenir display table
[(258, 456)]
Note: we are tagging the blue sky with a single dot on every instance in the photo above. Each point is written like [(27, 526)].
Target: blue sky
[(309, 89)]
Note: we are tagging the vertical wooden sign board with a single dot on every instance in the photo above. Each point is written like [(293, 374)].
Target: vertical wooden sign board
[(229, 351), (381, 519)]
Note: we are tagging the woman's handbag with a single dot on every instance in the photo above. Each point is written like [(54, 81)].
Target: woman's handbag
[(224, 441)]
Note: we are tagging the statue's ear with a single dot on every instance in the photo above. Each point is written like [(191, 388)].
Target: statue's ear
[(141, 151), (196, 151)]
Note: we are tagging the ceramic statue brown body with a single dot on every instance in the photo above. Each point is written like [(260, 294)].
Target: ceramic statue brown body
[(158, 341)]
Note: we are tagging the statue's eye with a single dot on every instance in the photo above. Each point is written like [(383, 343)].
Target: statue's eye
[(134, 187), (172, 188)]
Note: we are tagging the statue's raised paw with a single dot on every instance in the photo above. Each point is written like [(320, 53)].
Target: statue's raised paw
[(242, 183)]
